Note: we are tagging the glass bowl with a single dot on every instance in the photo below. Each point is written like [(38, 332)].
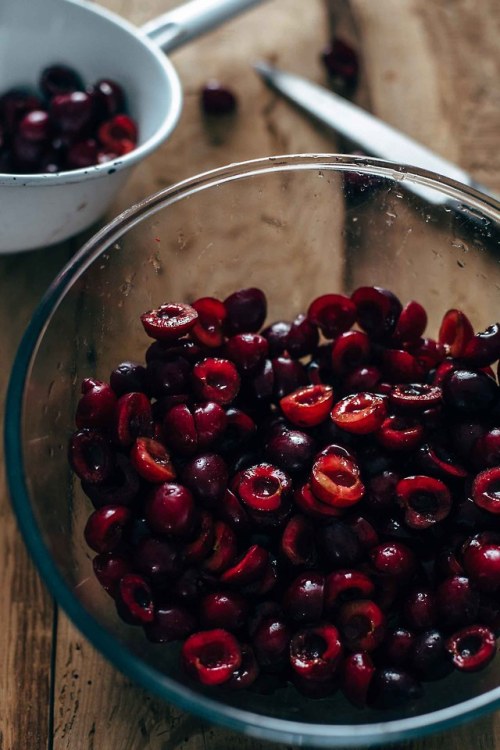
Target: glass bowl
[(296, 226)]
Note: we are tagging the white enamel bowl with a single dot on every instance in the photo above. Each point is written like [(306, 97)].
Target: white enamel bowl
[(37, 210)]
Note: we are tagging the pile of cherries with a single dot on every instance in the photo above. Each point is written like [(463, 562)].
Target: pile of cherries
[(64, 125), (314, 501)]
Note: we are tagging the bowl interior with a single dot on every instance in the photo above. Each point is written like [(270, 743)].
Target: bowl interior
[(96, 43), (297, 228)]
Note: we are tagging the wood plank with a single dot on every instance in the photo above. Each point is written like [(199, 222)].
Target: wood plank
[(27, 609)]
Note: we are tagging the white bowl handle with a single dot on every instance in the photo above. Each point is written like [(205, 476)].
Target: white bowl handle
[(180, 25)]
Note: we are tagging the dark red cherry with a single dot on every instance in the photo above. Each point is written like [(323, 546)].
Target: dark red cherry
[(170, 509), (377, 311), (59, 79), (105, 527), (483, 348), (108, 96), (217, 99), (342, 65), (246, 311)]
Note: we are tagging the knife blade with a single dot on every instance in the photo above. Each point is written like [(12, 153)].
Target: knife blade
[(369, 133)]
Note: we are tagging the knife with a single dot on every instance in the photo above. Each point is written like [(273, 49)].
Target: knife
[(368, 132)]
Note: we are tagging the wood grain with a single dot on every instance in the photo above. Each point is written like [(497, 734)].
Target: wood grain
[(431, 69), (27, 610)]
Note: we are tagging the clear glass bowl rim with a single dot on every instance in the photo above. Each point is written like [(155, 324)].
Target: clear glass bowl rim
[(256, 725)]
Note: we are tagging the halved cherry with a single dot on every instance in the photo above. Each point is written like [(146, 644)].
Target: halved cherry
[(315, 651), (486, 490), (411, 323), (250, 566), (309, 504), (400, 433), (248, 671), (308, 406), (362, 625), (415, 396), (211, 656), (357, 673), (439, 460), (455, 332), (169, 321), (118, 134), (425, 500), (262, 487), (360, 413), (472, 648), (441, 372), (297, 543), (134, 418), (151, 460), (399, 366), (263, 585), (91, 456), (365, 531), (483, 348), (202, 545), (344, 585), (332, 313), (350, 351), (216, 379), (377, 310), (134, 599), (336, 481), (428, 352), (105, 527), (232, 512), (223, 549), (208, 329)]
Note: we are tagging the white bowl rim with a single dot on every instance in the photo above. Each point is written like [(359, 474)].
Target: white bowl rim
[(171, 118)]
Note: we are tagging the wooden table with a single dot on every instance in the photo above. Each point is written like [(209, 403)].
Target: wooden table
[(431, 69)]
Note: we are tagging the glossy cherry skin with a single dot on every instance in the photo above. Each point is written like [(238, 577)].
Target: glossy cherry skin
[(170, 509), (218, 99), (170, 623), (303, 600), (223, 609), (246, 311), (391, 688)]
